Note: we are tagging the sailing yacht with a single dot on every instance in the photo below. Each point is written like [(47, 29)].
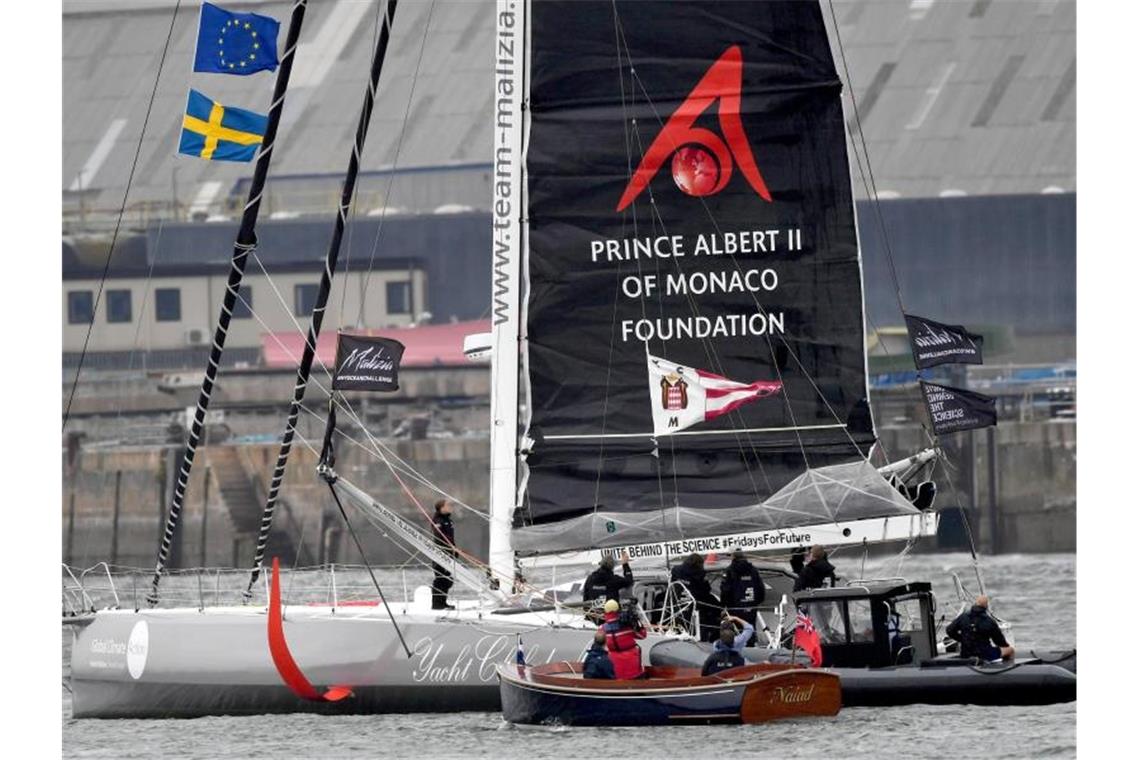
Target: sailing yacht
[(706, 391)]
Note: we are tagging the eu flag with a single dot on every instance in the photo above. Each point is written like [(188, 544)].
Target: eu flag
[(220, 133), (235, 43)]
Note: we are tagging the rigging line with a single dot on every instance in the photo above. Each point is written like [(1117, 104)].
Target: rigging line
[(119, 420), (392, 176), (405, 468), (613, 314), (863, 139), (304, 367), (355, 205), (119, 219), (641, 301), (345, 406), (709, 348), (371, 574), (245, 242)]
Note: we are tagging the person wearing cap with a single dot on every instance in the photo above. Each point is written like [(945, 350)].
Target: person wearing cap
[(728, 651), (604, 583), (741, 589), (443, 531), (813, 572), (691, 574), (621, 641), (598, 663), (979, 634)]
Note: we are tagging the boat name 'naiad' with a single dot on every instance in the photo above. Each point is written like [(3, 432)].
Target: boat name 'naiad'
[(791, 695)]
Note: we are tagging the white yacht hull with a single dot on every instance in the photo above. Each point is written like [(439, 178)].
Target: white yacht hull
[(189, 662)]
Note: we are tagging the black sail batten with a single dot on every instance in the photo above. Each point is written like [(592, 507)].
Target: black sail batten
[(244, 245), (598, 209), (304, 368)]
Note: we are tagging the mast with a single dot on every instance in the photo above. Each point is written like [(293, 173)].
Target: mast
[(245, 243), (508, 214), (304, 368)]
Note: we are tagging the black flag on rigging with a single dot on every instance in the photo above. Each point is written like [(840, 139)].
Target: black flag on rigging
[(366, 363), (934, 343), (955, 409)]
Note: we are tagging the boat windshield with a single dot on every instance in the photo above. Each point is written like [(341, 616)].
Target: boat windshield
[(827, 616)]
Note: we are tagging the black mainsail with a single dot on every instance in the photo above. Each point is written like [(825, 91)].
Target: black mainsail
[(694, 331)]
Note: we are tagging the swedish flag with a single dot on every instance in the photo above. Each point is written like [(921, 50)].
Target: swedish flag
[(220, 133)]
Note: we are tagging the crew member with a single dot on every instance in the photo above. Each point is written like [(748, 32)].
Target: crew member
[(728, 651), (979, 634), (598, 662), (815, 571), (621, 641), (443, 531), (741, 589), (603, 583), (691, 574)]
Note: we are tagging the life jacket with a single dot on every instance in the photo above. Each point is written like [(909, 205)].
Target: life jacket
[(622, 645), (722, 659)]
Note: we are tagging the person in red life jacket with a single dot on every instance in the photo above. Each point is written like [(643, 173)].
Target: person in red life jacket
[(622, 634), (444, 534)]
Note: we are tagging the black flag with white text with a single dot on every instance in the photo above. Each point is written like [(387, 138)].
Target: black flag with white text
[(934, 343), (955, 409), (365, 363)]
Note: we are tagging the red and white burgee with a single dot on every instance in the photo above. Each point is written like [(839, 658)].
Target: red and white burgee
[(682, 396)]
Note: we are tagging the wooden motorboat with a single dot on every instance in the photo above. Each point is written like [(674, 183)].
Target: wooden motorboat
[(557, 694)]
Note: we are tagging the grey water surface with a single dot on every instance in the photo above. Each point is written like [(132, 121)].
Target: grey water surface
[(1037, 593)]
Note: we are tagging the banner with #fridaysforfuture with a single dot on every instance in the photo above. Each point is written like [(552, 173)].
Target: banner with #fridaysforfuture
[(955, 409), (934, 343), (366, 363)]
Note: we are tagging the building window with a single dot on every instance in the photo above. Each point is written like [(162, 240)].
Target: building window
[(399, 297), (304, 299), (243, 306), (167, 305), (118, 306), (80, 307)]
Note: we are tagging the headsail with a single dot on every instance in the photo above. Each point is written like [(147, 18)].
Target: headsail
[(688, 201)]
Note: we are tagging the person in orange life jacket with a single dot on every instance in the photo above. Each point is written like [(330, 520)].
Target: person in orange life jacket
[(691, 574), (979, 634), (741, 589), (621, 641), (598, 662), (444, 534), (728, 651), (604, 584), (815, 571)]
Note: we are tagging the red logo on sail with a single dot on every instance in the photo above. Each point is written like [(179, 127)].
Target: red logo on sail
[(702, 161)]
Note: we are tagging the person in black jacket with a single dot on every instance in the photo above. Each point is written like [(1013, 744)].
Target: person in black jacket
[(598, 662), (741, 589), (604, 584), (979, 634), (691, 573), (813, 573), (443, 531)]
